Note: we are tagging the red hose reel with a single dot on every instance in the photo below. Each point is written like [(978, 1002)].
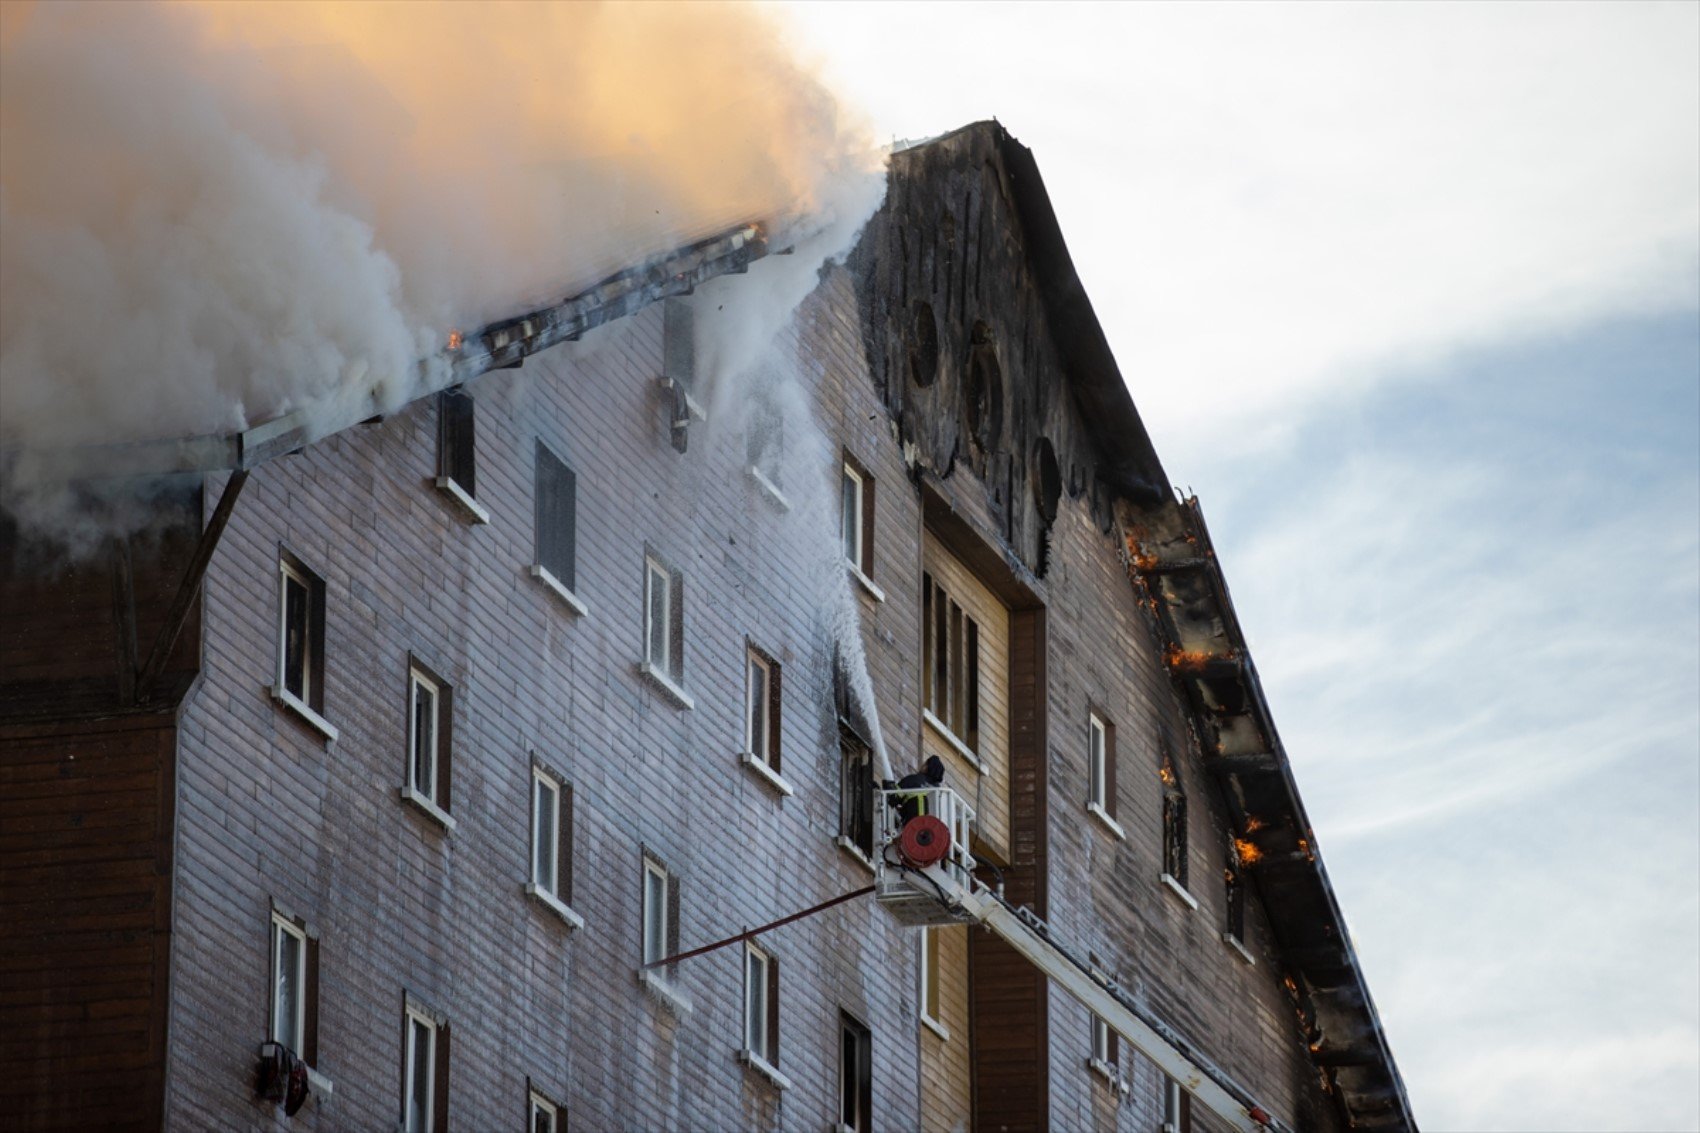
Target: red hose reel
[(925, 841)]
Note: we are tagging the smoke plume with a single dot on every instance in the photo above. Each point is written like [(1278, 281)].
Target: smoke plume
[(217, 213)]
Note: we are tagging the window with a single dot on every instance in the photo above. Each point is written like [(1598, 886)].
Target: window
[(856, 795), (555, 525), (664, 624), (857, 518), (932, 1013), (1235, 903), (295, 992), (552, 845), (425, 1072), (1104, 1043), (660, 912), (1101, 772), (456, 464), (428, 742), (855, 1077), (301, 642), (761, 707), (1174, 823), (950, 663), (678, 367), (543, 1115), (1177, 1108), (761, 1006), (764, 446)]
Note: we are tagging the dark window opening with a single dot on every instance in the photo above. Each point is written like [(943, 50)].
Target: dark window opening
[(856, 793), (855, 1076), (1174, 822), (556, 516), (301, 633), (455, 461)]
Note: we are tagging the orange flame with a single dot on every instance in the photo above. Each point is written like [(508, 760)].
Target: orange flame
[(455, 339), (1247, 852)]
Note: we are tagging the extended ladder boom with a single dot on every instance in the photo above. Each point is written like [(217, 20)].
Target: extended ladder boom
[(945, 891)]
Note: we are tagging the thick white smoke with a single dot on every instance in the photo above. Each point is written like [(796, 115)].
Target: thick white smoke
[(216, 213)]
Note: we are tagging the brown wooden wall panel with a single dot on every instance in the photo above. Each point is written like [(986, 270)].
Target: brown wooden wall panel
[(85, 895)]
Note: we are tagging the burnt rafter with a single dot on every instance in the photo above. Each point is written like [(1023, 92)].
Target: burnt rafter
[(178, 612), (1173, 565)]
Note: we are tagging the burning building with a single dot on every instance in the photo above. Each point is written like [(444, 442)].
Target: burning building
[(395, 771)]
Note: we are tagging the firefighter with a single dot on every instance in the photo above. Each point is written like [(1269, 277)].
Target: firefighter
[(930, 775)]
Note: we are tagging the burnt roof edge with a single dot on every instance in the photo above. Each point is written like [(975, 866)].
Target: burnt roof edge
[(503, 344), (1171, 540)]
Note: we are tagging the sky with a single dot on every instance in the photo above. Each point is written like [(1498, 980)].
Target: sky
[(1410, 296)]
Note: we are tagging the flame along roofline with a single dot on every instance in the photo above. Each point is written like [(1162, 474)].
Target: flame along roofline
[(504, 344), (1171, 558)]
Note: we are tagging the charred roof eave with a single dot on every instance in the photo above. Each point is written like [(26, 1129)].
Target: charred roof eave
[(1127, 459), (1170, 553), (504, 344)]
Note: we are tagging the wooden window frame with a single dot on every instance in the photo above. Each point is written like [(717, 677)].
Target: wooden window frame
[(950, 672), (766, 715), (664, 587), (761, 1006), (538, 1103)]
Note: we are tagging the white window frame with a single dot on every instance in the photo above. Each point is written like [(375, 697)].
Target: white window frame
[(415, 1019), (756, 1038), (1101, 1041), (758, 718), (312, 645), (656, 879), (549, 895), (662, 671), (931, 987), (850, 532), (418, 680), (1097, 742), (1172, 1106), (296, 1039), (545, 857), (542, 1105), (288, 572)]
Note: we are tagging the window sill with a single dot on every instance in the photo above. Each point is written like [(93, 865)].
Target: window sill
[(428, 808), (765, 773), (554, 904), (301, 709), (1180, 892), (1108, 1073), (956, 745), (935, 1026), (1239, 948), (1110, 824), (663, 990), (665, 683), (474, 511), (868, 585), (556, 587), (769, 489), (848, 846), (765, 1068), (319, 1086)]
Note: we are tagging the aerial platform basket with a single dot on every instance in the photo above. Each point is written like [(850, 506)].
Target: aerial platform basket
[(922, 865)]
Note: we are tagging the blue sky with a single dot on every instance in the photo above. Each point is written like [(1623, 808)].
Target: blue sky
[(1410, 295)]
